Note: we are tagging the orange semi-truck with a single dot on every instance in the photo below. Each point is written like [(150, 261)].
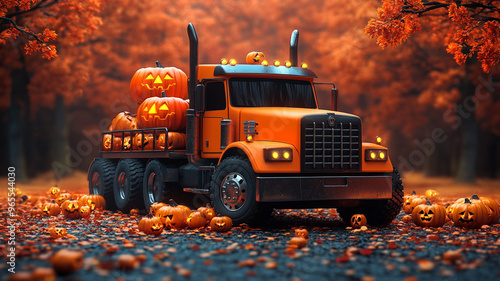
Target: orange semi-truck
[(256, 141)]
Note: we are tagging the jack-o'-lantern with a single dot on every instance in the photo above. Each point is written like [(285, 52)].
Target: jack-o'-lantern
[(432, 195), (124, 121), (221, 224), (302, 232), (134, 212), (255, 57), (70, 209), (184, 208), (207, 211), (494, 209), (407, 202), (63, 197), (152, 81), (175, 140), (142, 142), (94, 201), (196, 220), (54, 192), (172, 216), (67, 261), (151, 225), (358, 220), (153, 209), (57, 232), (415, 202), (163, 111), (429, 215), (84, 211), (36, 212), (117, 145), (298, 242), (51, 209), (469, 214)]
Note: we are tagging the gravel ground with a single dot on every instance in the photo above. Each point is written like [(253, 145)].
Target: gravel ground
[(400, 251)]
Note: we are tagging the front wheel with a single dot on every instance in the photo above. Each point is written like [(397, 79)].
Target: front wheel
[(232, 190)]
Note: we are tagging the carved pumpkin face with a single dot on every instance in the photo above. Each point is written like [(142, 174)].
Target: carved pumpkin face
[(94, 201), (141, 142), (196, 220), (208, 212), (57, 232), (358, 220), (124, 121), (51, 209), (84, 211), (469, 214), (221, 224), (54, 192), (429, 215), (172, 216), (152, 81), (255, 57), (70, 209), (151, 225), (301, 232), (167, 112), (432, 195), (62, 197)]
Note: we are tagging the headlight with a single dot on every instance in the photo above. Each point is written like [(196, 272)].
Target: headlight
[(278, 154), (376, 155)]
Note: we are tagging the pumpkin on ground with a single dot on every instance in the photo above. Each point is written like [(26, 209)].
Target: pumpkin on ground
[(67, 261), (494, 208), (163, 111), (54, 192), (57, 232), (298, 242), (432, 195), (407, 202), (172, 216), (84, 211), (51, 209), (155, 207), (94, 201), (208, 212), (124, 121), (63, 197), (470, 214), (70, 209), (358, 220), (221, 224), (415, 202), (152, 81), (301, 232), (196, 220), (429, 215), (151, 225)]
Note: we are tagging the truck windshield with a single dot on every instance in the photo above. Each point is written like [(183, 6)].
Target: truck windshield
[(258, 92)]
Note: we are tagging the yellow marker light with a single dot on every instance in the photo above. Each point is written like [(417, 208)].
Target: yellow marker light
[(277, 63), (373, 155), (286, 155), (232, 62), (381, 155), (288, 64), (249, 138), (223, 61), (264, 63), (303, 65), (275, 155), (379, 140)]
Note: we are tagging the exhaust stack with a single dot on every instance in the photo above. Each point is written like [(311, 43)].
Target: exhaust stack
[(294, 46), (192, 126)]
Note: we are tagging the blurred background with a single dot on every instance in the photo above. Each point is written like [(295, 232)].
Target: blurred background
[(437, 118)]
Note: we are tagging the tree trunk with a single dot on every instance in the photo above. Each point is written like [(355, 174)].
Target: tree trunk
[(19, 104), (469, 132), (60, 136)]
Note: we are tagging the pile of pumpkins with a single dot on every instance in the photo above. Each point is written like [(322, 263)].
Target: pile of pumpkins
[(472, 212), (174, 216), (161, 93)]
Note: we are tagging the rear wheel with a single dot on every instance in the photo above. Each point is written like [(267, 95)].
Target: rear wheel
[(100, 177), (379, 212), (127, 185)]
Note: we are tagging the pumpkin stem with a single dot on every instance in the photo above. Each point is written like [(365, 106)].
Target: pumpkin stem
[(158, 64), (467, 201), (163, 94), (428, 202), (414, 193), (172, 203), (475, 197)]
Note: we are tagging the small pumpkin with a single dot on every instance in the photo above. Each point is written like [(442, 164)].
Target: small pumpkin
[(57, 232), (94, 201), (36, 212), (63, 197), (302, 232), (175, 140), (221, 224), (172, 216), (432, 195), (407, 202), (186, 209), (298, 242), (163, 111), (124, 121), (429, 215), (152, 81), (43, 274), (155, 207), (358, 220), (470, 214), (51, 209), (151, 225), (255, 57), (134, 212), (106, 143), (67, 261), (494, 209), (196, 220), (415, 202), (127, 262), (207, 211), (141, 142), (84, 211), (54, 192), (70, 209)]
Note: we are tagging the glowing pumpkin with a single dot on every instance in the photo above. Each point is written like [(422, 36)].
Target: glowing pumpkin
[(70, 209), (51, 209), (124, 121), (207, 211), (57, 232), (94, 201), (175, 140), (221, 224), (429, 215), (432, 195), (54, 192), (196, 220), (142, 142), (152, 81), (172, 216), (151, 225), (255, 57), (165, 111)]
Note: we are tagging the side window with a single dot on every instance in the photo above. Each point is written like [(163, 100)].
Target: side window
[(215, 97)]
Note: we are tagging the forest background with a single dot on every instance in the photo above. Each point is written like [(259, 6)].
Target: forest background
[(66, 65)]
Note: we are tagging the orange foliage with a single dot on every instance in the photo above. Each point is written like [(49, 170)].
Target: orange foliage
[(470, 27)]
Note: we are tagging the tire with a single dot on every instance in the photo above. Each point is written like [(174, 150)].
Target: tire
[(154, 189), (379, 212), (232, 191), (127, 185), (101, 175)]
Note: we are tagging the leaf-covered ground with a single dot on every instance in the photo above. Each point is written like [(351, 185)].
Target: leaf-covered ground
[(401, 251)]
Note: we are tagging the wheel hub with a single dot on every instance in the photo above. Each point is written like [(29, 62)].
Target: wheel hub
[(122, 184), (95, 183), (233, 191), (153, 187)]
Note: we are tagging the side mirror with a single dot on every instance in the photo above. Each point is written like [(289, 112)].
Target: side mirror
[(199, 98)]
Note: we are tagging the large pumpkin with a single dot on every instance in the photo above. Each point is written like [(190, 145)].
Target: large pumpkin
[(470, 214), (174, 217), (152, 81), (94, 201), (429, 215), (167, 112), (124, 121), (174, 141)]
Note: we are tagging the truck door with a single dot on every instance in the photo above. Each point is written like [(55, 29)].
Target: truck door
[(215, 110)]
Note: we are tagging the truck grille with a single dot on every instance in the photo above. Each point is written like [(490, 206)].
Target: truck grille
[(327, 148)]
